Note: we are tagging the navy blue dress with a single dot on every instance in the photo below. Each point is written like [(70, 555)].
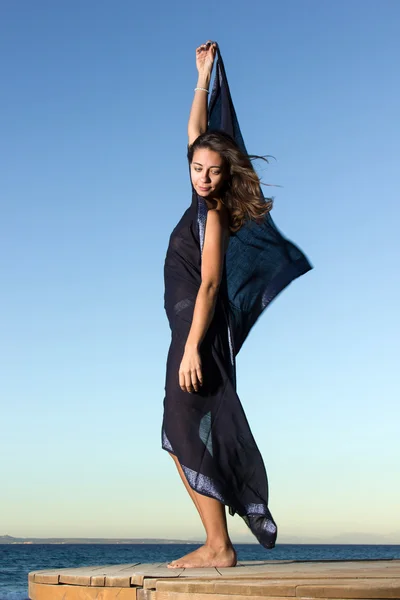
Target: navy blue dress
[(208, 431)]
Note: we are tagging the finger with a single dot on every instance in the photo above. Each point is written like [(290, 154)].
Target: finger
[(199, 375), (182, 381), (188, 383), (194, 380)]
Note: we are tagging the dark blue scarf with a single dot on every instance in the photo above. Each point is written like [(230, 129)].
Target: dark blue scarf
[(260, 261)]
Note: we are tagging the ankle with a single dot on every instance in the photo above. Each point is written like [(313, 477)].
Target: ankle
[(219, 544)]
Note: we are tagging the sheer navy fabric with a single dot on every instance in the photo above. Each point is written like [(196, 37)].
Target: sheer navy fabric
[(208, 431), (260, 261)]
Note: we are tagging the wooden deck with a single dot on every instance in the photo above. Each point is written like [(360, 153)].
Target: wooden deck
[(256, 580)]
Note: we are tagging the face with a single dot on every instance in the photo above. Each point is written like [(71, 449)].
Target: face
[(207, 172)]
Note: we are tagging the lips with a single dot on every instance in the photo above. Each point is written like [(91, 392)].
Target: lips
[(204, 189)]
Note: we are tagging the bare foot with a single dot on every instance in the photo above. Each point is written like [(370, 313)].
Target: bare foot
[(206, 556)]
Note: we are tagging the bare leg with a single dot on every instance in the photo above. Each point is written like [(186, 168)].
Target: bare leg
[(189, 490), (218, 550)]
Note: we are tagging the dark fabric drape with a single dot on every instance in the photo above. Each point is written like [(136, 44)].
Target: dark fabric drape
[(260, 261)]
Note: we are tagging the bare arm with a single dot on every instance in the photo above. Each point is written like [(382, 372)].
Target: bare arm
[(198, 118), (215, 243)]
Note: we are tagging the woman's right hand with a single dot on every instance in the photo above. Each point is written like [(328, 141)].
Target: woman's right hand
[(205, 55), (190, 370)]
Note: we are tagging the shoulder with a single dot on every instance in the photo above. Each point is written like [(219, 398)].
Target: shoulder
[(219, 216), (217, 226)]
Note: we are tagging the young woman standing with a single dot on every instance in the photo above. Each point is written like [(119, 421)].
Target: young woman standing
[(205, 429)]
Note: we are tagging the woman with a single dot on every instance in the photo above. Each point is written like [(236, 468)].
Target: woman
[(225, 262)]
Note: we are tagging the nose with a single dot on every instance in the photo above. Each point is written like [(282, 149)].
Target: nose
[(205, 178)]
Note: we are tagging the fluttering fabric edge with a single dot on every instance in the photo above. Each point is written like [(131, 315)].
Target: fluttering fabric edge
[(256, 516), (260, 261)]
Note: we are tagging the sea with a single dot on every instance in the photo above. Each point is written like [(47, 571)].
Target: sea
[(17, 560)]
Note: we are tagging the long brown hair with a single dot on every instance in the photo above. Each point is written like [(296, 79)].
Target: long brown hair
[(241, 192)]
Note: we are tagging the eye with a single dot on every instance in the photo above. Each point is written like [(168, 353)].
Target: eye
[(216, 172), (197, 169)]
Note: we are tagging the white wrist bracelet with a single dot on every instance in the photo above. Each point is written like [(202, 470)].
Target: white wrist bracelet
[(202, 89)]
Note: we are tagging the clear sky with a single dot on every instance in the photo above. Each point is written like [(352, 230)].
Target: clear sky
[(94, 103)]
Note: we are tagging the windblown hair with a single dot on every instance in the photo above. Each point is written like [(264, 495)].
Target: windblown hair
[(241, 192)]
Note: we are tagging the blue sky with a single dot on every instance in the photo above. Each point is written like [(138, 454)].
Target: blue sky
[(93, 112)]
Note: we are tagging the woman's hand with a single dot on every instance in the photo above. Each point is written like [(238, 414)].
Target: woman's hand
[(190, 375), (205, 55)]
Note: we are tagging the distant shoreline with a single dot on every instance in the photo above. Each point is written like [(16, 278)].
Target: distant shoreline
[(7, 539), (10, 540)]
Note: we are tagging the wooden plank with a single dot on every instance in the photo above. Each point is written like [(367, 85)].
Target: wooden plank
[(178, 596), (257, 588), (84, 575), (108, 576), (247, 588), (261, 568), (39, 591), (186, 586), (250, 563), (372, 588), (326, 588), (50, 576), (299, 576), (146, 570), (108, 571), (53, 575), (121, 578), (268, 588), (98, 581), (149, 583), (313, 570), (208, 573), (236, 572), (142, 594), (75, 579), (164, 573)]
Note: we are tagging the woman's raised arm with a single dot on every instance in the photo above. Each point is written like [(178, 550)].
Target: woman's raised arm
[(198, 118)]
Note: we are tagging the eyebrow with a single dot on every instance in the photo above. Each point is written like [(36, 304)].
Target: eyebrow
[(212, 167)]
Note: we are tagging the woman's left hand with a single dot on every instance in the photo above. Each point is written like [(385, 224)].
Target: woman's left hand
[(190, 373), (205, 55)]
